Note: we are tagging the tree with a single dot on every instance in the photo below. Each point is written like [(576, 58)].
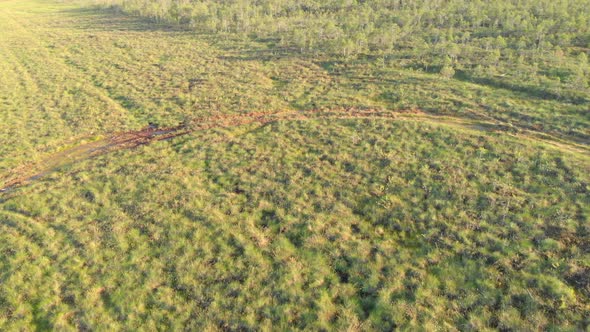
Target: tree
[(453, 51), (447, 72), (582, 59)]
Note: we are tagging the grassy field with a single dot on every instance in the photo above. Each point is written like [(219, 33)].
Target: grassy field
[(306, 192)]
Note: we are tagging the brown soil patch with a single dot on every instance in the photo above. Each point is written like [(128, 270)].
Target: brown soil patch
[(126, 140)]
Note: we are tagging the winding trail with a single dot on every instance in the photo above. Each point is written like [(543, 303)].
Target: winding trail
[(29, 172)]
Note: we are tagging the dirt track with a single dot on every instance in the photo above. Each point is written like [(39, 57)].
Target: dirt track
[(126, 140)]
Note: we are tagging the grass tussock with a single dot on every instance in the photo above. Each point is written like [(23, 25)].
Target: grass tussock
[(275, 226)]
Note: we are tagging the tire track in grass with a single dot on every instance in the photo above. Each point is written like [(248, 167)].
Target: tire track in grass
[(32, 171), (35, 68), (30, 127), (29, 172), (46, 246)]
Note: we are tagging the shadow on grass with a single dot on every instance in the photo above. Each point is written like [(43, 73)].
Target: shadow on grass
[(113, 19), (261, 54), (96, 18), (528, 91)]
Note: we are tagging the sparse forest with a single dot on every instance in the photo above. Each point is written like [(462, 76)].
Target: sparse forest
[(530, 43)]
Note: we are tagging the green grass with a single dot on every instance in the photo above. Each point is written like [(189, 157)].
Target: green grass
[(117, 72), (308, 225), (323, 224)]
